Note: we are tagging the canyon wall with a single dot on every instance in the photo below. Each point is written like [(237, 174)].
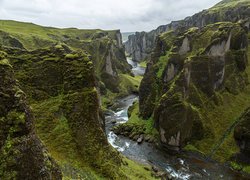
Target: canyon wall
[(192, 75), (141, 44)]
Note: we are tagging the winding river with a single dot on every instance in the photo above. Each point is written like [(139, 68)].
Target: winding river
[(187, 166)]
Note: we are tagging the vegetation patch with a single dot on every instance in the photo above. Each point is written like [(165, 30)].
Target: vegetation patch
[(137, 128)]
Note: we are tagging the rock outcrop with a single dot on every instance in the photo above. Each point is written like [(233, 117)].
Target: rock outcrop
[(22, 155), (186, 75), (141, 44)]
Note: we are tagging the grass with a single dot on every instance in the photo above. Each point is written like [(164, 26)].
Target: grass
[(143, 64), (134, 119), (129, 84), (135, 171)]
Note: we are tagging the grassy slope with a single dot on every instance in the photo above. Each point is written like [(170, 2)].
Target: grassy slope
[(55, 133), (33, 36), (228, 4)]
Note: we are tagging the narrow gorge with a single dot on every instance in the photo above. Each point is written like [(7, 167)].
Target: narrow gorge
[(171, 103)]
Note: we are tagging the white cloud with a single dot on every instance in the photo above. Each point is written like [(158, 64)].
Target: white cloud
[(129, 15)]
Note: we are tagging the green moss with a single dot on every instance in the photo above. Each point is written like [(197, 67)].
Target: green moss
[(98, 43), (72, 56), (192, 148), (7, 159), (240, 167), (202, 40), (161, 64), (168, 38), (246, 169), (143, 64), (236, 166), (54, 130), (129, 84), (3, 55), (5, 62)]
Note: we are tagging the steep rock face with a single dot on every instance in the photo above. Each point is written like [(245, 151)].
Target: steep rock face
[(22, 155), (61, 85), (140, 45), (105, 47), (186, 73), (109, 60)]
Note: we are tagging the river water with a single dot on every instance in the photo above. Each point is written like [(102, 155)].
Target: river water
[(184, 167)]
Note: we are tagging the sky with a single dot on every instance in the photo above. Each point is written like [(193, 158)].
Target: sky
[(127, 15)]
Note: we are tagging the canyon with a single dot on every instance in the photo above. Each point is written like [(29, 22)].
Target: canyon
[(172, 103)]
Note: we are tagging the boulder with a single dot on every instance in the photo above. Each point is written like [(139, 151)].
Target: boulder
[(140, 139)]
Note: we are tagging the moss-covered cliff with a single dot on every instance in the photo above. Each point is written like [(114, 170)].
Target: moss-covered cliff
[(105, 47), (197, 82), (22, 155), (61, 85)]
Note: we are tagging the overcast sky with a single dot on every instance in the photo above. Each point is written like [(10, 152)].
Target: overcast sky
[(127, 15)]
